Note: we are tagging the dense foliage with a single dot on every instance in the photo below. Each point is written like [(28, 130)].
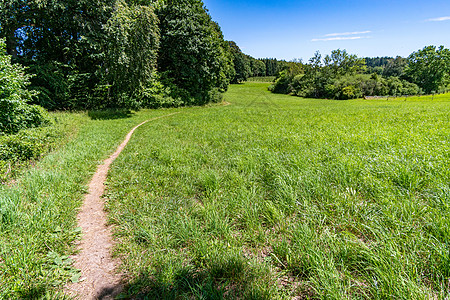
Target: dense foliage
[(98, 54), (15, 112), (132, 50), (242, 64), (386, 66), (17, 150), (429, 68), (343, 76), (273, 66), (192, 58), (63, 43)]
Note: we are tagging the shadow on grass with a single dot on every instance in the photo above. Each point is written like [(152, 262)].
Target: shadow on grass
[(41, 292), (188, 284), (110, 114)]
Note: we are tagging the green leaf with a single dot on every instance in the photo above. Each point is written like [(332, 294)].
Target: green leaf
[(75, 278)]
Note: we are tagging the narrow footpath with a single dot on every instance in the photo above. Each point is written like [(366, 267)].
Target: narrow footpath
[(99, 276)]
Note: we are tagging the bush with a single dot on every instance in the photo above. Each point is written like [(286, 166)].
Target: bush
[(338, 76), (215, 96), (282, 84), (15, 113), (346, 87), (158, 95), (28, 144), (15, 116), (354, 86), (163, 92)]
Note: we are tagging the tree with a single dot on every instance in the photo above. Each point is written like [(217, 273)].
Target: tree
[(228, 71), (242, 64), (338, 76), (131, 56), (15, 113), (287, 80), (395, 67), (104, 53), (341, 63), (62, 41), (191, 56), (258, 67), (429, 68)]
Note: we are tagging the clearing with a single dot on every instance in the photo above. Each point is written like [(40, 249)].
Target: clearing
[(271, 197)]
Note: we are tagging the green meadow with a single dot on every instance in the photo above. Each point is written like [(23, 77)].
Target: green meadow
[(275, 197), (262, 197), (38, 209)]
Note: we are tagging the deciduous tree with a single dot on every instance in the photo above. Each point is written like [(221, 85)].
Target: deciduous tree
[(191, 56), (429, 68), (132, 50)]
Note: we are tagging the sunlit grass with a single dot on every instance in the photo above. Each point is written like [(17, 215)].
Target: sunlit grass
[(276, 196), (38, 211), (269, 197)]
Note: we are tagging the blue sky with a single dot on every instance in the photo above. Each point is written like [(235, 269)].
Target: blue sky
[(288, 29)]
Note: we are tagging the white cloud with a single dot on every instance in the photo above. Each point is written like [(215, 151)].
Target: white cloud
[(340, 38), (348, 33), (439, 19)]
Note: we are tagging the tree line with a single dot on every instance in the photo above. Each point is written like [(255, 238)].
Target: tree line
[(341, 75), (247, 66), (91, 54)]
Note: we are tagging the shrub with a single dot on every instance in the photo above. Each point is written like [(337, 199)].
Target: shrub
[(15, 113), (158, 95), (282, 83), (339, 76), (28, 144)]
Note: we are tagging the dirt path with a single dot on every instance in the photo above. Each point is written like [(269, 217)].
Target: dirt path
[(99, 279)]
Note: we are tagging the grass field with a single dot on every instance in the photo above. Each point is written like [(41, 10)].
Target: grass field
[(38, 211), (275, 197), (271, 197)]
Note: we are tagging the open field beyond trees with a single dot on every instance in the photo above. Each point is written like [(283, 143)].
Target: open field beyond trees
[(270, 197)]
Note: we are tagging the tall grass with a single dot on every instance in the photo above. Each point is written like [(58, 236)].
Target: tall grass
[(274, 197), (38, 212)]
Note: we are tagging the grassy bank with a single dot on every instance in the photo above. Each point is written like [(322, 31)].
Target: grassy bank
[(38, 211), (273, 197)]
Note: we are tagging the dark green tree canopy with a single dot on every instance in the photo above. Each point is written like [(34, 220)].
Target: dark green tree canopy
[(242, 63), (131, 52), (192, 55), (62, 41), (429, 68), (94, 54)]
